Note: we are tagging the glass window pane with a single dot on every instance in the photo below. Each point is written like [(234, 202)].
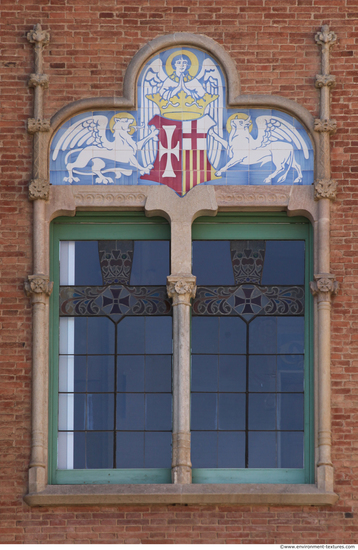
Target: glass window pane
[(232, 373), (130, 450), (100, 335), (158, 451), (204, 451), (158, 335), (80, 335), (203, 411), (158, 413), (263, 335), (100, 373), (99, 450), (232, 338), (150, 263), (284, 263), (79, 450), (290, 411), (204, 373), (232, 411), (158, 373), (290, 373), (231, 450), (87, 266), (79, 410), (262, 411), (130, 336), (130, 411), (262, 450), (130, 373), (212, 263), (290, 335), (290, 449), (205, 334), (262, 373), (100, 411), (66, 412)]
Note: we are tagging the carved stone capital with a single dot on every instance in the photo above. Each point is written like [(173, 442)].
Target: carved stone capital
[(37, 125), (325, 80), (325, 189), (38, 284), (325, 125), (38, 80), (39, 189), (324, 285), (38, 37), (181, 288), (326, 37)]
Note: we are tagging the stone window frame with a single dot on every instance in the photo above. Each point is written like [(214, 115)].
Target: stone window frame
[(50, 202)]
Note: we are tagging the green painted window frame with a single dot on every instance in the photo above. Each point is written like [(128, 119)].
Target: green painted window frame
[(232, 226), (90, 226)]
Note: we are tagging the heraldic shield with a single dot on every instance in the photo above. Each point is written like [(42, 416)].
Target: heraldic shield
[(182, 135)]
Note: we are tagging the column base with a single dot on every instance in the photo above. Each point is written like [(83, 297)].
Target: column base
[(37, 479), (325, 479), (181, 463)]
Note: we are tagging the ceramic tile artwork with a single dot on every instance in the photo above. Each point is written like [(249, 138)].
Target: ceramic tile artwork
[(182, 135)]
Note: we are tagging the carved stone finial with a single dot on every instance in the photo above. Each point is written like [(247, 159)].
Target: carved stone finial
[(38, 80), (181, 288), (325, 189), (325, 36), (38, 284), (39, 189), (38, 37), (324, 285), (325, 80), (325, 125), (37, 125)]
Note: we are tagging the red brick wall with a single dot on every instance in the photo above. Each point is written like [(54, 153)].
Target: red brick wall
[(92, 42)]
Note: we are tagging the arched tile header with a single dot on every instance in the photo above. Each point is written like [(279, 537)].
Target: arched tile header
[(182, 134)]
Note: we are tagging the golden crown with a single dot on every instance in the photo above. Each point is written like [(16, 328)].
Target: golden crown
[(182, 106)]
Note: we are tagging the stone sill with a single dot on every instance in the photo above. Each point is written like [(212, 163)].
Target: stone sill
[(248, 494)]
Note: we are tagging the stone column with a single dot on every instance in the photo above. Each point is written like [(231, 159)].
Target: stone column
[(324, 284), (38, 286), (181, 212)]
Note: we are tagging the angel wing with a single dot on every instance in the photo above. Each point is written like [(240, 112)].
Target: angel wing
[(213, 84), (152, 81), (85, 132), (271, 128)]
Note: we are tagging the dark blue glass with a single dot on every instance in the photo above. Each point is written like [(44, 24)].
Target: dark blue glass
[(100, 373), (204, 449), (158, 411), (87, 266), (158, 451), (203, 411), (100, 411), (130, 450), (212, 263), (290, 335), (263, 335), (290, 373), (158, 335), (262, 373), (100, 332), (79, 450), (130, 411), (232, 373), (291, 449), (284, 263), (290, 411), (158, 373), (262, 411), (232, 411), (204, 373), (99, 450), (262, 450), (80, 373), (231, 450), (130, 373), (150, 263), (81, 335), (205, 334), (130, 336), (232, 336), (79, 411)]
